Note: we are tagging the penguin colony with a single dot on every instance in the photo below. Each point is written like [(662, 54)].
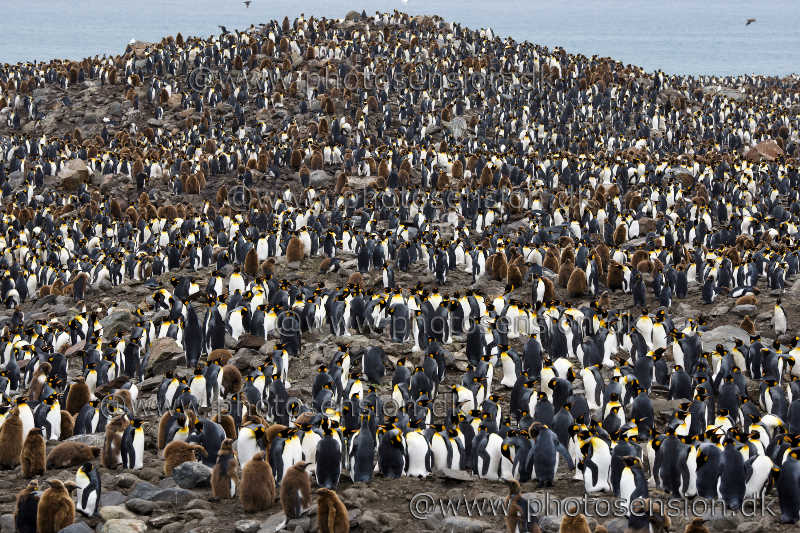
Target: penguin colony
[(553, 228)]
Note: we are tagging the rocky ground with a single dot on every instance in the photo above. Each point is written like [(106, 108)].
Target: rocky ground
[(147, 500)]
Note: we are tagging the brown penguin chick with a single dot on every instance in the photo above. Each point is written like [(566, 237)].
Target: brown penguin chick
[(517, 519), (267, 268), (257, 488), (78, 396), (514, 276), (124, 397), (747, 299), (356, 280), (604, 301), (71, 453), (341, 182), (316, 161), (574, 524), (550, 261), (332, 515), (304, 174), (26, 509), (32, 456), (697, 525), (10, 440), (645, 266), (615, 277), (295, 490), (163, 428), (223, 355), (620, 235), (225, 476), (178, 452), (270, 432), (549, 289), (38, 381), (296, 159), (67, 425), (576, 286), (499, 266), (231, 380), (228, 425), (748, 325), (251, 263), (658, 519), (639, 256), (564, 273), (324, 265), (294, 250), (56, 508), (112, 443), (191, 185)]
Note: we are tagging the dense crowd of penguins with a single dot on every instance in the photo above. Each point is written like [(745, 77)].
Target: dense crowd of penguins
[(571, 184)]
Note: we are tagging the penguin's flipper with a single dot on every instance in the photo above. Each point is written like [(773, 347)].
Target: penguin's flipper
[(565, 454), (85, 495), (592, 466), (639, 492), (684, 476), (485, 457)]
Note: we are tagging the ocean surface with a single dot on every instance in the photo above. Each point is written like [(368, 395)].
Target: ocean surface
[(676, 36)]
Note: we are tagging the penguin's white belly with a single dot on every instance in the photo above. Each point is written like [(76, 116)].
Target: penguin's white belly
[(417, 455)]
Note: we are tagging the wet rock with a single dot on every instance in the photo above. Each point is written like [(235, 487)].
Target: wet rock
[(271, 524), (175, 527), (165, 354), (192, 474), (125, 480), (723, 335), (196, 503), (303, 524), (616, 525), (743, 310), (454, 475), (123, 526), (158, 522), (143, 490), (112, 498), (247, 526), (467, 525), (319, 177), (7, 523), (140, 506), (369, 522), (250, 341), (117, 321), (77, 527), (74, 174), (114, 512), (177, 496), (750, 527)]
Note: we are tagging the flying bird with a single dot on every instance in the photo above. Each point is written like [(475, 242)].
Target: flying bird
[(247, 3), (749, 21)]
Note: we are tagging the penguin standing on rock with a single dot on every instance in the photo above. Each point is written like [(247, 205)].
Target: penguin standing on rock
[(88, 494), (257, 486), (133, 445), (295, 490), (56, 509), (328, 459), (332, 515), (225, 476)]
